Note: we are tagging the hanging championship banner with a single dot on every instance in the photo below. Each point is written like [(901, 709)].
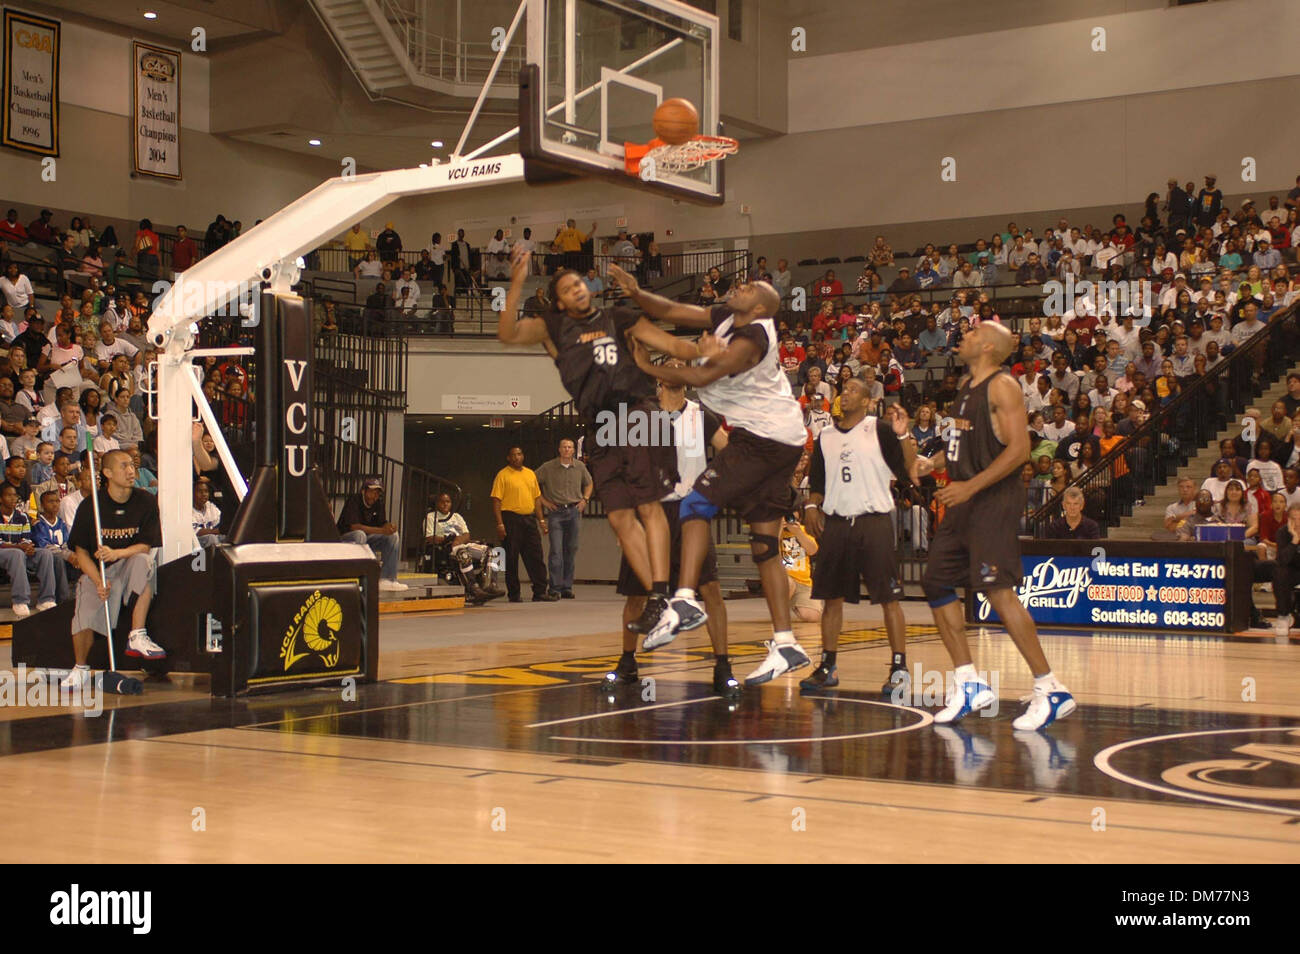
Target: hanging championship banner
[(156, 107), (31, 77)]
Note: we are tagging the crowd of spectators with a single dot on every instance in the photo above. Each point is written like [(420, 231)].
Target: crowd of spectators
[(1092, 374), (73, 384)]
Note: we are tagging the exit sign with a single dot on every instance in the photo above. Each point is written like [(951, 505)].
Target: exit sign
[(496, 422)]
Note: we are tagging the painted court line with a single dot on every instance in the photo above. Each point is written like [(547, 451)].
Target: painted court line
[(618, 712)]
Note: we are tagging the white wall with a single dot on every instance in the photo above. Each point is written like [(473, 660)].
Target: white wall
[(437, 367), (1151, 50), (94, 170)]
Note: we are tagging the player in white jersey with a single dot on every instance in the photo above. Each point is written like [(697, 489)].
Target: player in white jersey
[(695, 429), (849, 513), (741, 379)]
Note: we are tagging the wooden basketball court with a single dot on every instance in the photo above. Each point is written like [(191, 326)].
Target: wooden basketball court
[(489, 738)]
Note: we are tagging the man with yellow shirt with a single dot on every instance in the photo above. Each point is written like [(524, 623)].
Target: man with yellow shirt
[(357, 243), (517, 504), (569, 241)]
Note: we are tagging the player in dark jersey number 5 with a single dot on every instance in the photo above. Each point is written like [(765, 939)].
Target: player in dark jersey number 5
[(975, 546), (591, 350)]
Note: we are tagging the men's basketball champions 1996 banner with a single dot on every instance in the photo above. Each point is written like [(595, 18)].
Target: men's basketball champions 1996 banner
[(156, 89), (31, 78)]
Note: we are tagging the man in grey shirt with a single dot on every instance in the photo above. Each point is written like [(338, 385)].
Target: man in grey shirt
[(781, 278), (566, 487)]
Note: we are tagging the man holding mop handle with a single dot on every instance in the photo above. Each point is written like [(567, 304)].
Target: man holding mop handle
[(112, 536)]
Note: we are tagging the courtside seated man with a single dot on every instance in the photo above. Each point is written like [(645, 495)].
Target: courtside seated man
[(130, 530), (975, 546)]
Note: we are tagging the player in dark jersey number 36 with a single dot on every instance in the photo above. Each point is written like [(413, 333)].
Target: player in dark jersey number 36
[(976, 545), (591, 350)]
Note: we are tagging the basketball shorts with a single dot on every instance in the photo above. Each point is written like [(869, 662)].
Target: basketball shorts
[(629, 585), (629, 476), (751, 475), (855, 551), (975, 545)]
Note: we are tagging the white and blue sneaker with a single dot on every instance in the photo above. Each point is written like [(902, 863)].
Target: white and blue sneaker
[(1045, 707), (681, 615), (963, 700), (780, 659)]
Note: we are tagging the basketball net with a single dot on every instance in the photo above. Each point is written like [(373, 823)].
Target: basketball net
[(691, 154)]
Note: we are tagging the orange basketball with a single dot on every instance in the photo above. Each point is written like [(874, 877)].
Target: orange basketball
[(676, 121)]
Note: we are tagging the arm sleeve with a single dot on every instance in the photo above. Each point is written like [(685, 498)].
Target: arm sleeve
[(892, 451), (817, 472), (498, 486)]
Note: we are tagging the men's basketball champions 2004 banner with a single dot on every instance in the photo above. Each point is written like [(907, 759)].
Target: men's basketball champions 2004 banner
[(31, 78), (156, 110)]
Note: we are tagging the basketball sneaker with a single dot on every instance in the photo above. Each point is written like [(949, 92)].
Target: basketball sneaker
[(681, 616), (964, 699), (724, 683), (821, 678), (76, 678), (655, 605), (624, 674), (898, 687), (780, 660), (139, 644), (1045, 707)]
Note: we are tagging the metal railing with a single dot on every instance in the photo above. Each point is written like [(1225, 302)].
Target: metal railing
[(377, 364), (409, 490), (447, 58), (1177, 430)]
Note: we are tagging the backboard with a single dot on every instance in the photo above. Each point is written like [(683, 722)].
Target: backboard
[(596, 71)]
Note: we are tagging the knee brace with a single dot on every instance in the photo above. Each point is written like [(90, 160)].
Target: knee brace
[(695, 506), (763, 547), (937, 595)]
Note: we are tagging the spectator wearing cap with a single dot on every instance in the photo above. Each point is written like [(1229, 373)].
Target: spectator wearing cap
[(363, 520), (1208, 203), (905, 282), (1169, 294)]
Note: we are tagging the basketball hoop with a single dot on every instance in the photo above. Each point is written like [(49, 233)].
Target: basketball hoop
[(691, 154)]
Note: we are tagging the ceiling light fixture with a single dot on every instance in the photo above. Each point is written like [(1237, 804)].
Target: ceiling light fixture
[(436, 144), (150, 15), (313, 142)]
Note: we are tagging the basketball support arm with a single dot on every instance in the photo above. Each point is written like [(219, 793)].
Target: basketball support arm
[(266, 254)]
